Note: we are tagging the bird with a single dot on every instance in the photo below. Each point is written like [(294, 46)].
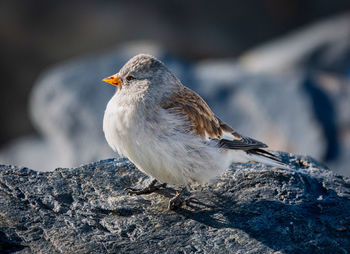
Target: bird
[(169, 132)]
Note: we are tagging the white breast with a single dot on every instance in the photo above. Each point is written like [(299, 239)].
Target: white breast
[(154, 142)]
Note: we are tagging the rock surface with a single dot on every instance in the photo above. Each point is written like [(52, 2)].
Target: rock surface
[(252, 208)]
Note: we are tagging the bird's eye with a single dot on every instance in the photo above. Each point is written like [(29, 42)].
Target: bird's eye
[(128, 78)]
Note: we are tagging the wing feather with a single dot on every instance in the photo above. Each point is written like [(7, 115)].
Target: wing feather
[(205, 124)]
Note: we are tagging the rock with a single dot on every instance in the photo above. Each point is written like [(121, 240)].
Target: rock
[(252, 208), (273, 108), (336, 118), (33, 150), (287, 52), (295, 89), (322, 53)]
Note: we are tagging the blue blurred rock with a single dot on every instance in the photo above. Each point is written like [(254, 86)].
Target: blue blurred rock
[(67, 107), (271, 108)]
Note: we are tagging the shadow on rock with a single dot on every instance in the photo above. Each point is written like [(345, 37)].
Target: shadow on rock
[(319, 222)]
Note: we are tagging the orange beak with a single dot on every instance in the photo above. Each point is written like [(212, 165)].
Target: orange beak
[(113, 80)]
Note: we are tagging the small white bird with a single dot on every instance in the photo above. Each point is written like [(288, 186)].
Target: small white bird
[(169, 132)]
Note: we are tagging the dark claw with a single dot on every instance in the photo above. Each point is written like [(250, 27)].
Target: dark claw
[(177, 200), (152, 187)]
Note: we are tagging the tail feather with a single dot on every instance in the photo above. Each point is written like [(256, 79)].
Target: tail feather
[(260, 155)]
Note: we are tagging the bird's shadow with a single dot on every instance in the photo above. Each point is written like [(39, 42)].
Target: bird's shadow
[(301, 227), (310, 218)]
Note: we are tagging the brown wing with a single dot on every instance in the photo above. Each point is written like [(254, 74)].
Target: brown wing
[(205, 124)]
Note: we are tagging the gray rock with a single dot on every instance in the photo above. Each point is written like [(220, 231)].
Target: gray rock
[(323, 53), (273, 108), (251, 209), (288, 51), (336, 118)]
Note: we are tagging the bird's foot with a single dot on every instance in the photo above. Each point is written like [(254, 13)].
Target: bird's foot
[(152, 187), (177, 200)]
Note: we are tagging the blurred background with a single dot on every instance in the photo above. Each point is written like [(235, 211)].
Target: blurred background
[(276, 70)]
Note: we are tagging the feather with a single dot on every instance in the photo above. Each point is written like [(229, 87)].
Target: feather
[(205, 124)]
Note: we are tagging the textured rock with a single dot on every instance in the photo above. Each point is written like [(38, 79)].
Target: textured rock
[(251, 209)]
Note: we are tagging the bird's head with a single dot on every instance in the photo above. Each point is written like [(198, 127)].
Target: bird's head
[(145, 73)]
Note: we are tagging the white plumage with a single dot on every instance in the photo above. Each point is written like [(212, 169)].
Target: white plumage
[(168, 131), (160, 150)]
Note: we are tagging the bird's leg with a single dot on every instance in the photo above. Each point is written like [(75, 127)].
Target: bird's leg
[(152, 187), (177, 201)]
